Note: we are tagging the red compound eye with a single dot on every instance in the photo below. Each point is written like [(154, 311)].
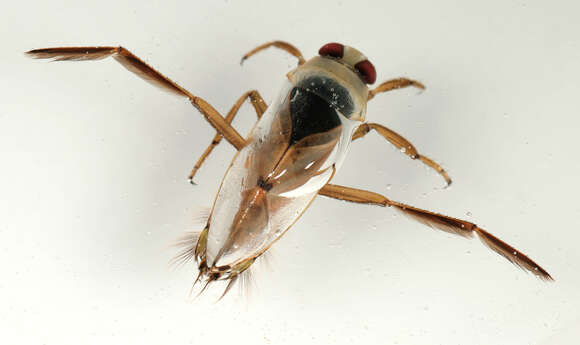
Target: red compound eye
[(332, 49), (367, 71)]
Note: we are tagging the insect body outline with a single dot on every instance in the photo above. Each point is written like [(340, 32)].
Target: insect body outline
[(290, 156)]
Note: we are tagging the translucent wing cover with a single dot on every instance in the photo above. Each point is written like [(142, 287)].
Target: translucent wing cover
[(292, 152)]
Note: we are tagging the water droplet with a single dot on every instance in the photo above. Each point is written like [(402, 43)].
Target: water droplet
[(468, 214), (389, 186), (403, 149)]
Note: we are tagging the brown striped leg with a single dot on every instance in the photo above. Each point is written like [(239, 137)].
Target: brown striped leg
[(259, 105), (290, 49), (146, 72), (440, 222), (401, 143), (393, 85)]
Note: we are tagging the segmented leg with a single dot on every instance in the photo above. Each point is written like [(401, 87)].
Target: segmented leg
[(290, 49), (401, 143), (259, 105), (440, 222), (393, 85), (146, 72)]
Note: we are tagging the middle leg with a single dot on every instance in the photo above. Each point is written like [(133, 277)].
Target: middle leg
[(402, 144), (259, 106)]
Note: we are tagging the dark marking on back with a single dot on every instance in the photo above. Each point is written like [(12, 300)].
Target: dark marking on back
[(224, 268), (331, 91), (310, 114), (202, 265), (264, 185)]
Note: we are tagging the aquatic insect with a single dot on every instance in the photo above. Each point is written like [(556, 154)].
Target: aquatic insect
[(290, 156)]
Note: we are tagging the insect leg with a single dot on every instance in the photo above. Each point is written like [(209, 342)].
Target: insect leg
[(146, 72), (393, 85), (259, 105), (289, 48), (440, 222), (401, 143)]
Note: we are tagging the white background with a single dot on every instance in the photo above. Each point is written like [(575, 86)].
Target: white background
[(94, 162)]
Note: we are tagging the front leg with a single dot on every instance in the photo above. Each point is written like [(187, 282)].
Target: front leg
[(440, 222), (394, 84), (287, 47)]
